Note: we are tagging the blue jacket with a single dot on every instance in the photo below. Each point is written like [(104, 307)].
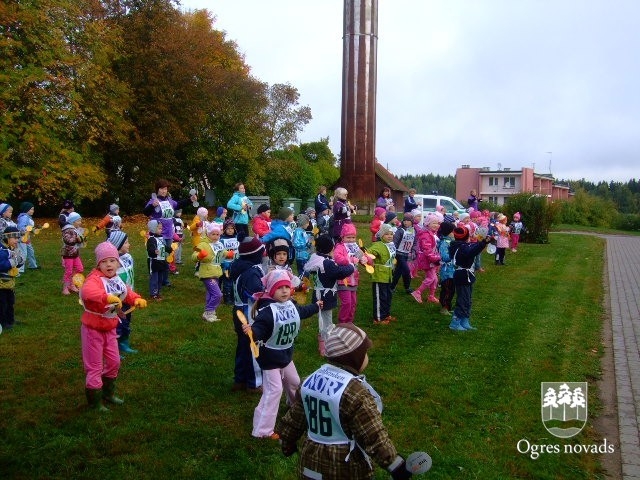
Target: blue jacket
[(235, 204), (278, 230)]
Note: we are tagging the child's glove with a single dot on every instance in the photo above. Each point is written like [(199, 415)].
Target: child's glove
[(202, 254), (13, 272), (94, 229), (113, 300), (140, 303), (400, 472), (230, 254)]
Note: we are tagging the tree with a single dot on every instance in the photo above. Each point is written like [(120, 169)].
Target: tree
[(58, 99), (283, 118)]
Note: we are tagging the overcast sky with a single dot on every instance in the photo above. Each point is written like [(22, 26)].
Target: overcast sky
[(553, 84)]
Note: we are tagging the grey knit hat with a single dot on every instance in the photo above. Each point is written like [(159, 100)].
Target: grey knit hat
[(117, 238)]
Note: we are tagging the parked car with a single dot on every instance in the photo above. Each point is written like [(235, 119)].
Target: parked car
[(430, 202)]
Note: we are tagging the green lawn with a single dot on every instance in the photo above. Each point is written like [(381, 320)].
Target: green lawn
[(466, 398)]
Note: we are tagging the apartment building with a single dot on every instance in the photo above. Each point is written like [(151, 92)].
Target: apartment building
[(497, 186)]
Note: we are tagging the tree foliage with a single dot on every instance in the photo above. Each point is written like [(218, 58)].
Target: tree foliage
[(431, 184)]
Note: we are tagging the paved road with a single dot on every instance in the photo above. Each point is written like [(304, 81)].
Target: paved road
[(623, 262)]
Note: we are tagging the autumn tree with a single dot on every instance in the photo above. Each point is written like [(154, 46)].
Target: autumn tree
[(59, 101)]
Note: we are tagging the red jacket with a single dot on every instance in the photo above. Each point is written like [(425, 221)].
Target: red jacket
[(94, 298), (261, 225)]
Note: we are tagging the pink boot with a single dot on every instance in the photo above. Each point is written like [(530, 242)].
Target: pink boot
[(417, 295), (65, 290)]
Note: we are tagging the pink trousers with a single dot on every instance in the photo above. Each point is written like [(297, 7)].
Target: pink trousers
[(273, 383), (430, 281), (348, 301), (71, 267), (100, 355)]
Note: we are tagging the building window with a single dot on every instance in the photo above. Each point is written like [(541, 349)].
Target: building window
[(493, 181), (493, 200), (509, 182)]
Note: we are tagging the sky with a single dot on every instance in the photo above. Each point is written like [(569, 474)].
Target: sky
[(548, 84)]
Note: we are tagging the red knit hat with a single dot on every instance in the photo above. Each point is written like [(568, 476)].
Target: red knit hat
[(460, 233)]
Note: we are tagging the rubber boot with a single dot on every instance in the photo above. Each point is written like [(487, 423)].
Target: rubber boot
[(321, 347), (464, 323), (108, 391), (123, 345), (94, 399), (455, 324)]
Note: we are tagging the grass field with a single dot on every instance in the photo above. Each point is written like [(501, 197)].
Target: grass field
[(467, 398)]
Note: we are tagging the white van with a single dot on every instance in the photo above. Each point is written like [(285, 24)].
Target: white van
[(430, 202)]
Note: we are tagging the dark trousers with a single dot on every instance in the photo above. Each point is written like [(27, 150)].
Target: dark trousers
[(401, 270), (123, 329), (381, 300), (500, 255), (463, 301), (447, 289), (7, 301), (246, 370)]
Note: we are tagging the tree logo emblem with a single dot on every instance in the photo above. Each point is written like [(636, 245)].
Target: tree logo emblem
[(564, 407)]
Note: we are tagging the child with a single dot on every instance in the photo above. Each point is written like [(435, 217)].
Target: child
[(302, 242), (321, 202), (102, 296), (5, 217), (210, 253), (325, 273), (178, 227), (67, 208), (25, 220), (11, 260), (313, 224), (404, 239), (198, 225), (72, 240), (347, 252), (349, 415), (120, 240), (262, 222), (462, 253), (428, 259), (447, 268), (246, 274), (280, 226), (221, 215), (156, 258), (384, 252), (502, 242), (325, 222), (276, 324), (111, 222), (476, 220), (379, 216), (230, 242), (516, 228)]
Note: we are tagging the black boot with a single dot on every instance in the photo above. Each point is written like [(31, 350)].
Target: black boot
[(108, 391), (94, 399)]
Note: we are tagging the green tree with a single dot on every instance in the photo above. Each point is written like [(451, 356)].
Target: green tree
[(59, 101)]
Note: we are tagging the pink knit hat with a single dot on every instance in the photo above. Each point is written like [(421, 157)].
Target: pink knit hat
[(432, 217), (214, 227), (348, 229), (276, 279), (378, 211), (106, 250)]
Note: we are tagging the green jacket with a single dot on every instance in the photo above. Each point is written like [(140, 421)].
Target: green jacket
[(210, 264), (385, 254)]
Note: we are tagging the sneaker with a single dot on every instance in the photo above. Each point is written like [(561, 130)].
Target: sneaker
[(157, 298), (273, 436), (391, 319), (444, 311), (433, 299), (417, 296), (210, 317), (410, 291), (176, 273), (73, 288)]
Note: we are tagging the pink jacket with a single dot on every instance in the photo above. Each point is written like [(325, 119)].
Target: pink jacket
[(342, 256)]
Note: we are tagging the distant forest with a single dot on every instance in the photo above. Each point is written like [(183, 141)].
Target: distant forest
[(625, 196)]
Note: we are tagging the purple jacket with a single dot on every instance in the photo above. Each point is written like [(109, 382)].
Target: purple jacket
[(167, 208)]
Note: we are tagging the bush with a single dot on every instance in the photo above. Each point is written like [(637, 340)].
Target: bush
[(627, 221), (537, 214)]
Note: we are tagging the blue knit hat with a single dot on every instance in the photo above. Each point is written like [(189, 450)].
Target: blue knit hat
[(117, 237)]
